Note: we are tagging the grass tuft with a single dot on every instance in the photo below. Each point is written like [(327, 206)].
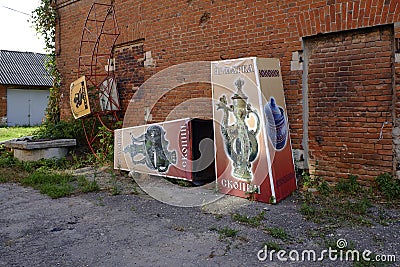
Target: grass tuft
[(87, 186), (7, 133), (254, 221), (52, 184)]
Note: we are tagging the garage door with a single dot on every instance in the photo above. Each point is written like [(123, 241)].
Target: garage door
[(26, 107)]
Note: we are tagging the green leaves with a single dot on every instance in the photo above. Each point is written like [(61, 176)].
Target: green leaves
[(44, 19)]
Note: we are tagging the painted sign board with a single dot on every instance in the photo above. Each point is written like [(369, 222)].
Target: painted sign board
[(171, 149), (79, 99), (251, 133)]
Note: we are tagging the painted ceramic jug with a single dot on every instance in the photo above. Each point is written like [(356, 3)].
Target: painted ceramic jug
[(240, 143), (276, 124)]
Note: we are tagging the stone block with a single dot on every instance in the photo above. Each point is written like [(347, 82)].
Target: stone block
[(37, 154), (26, 149)]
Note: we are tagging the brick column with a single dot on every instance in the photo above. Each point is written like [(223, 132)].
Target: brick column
[(396, 98), (3, 105)]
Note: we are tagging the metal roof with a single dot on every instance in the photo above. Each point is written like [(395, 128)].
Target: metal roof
[(24, 68)]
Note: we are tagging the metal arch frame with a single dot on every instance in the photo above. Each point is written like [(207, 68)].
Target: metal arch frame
[(92, 38)]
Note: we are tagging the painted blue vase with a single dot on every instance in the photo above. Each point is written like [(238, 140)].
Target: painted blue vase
[(276, 124)]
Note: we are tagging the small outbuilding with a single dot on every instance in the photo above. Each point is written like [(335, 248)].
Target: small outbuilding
[(24, 88)]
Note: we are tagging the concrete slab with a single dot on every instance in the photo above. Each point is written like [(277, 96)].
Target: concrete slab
[(27, 149)]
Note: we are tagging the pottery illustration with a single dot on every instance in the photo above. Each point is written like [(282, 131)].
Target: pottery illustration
[(153, 146), (240, 143), (276, 124)]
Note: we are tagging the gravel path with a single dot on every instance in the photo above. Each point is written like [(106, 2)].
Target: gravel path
[(98, 229)]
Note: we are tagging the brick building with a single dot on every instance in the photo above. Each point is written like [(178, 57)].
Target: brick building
[(24, 88), (340, 65)]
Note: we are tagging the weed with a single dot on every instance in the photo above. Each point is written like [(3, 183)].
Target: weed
[(213, 228), (271, 245), (338, 211), (56, 190), (306, 179), (320, 232), (77, 161), (87, 186), (62, 129), (218, 216), (105, 149), (324, 188), (224, 232), (51, 184), (44, 164), (250, 220), (227, 232), (116, 190), (313, 181), (135, 191), (7, 159), (251, 193), (388, 186), (349, 185), (272, 200), (100, 201), (307, 210), (14, 175), (40, 177), (360, 207), (277, 232)]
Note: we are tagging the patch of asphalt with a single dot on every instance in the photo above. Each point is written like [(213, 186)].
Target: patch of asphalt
[(99, 229)]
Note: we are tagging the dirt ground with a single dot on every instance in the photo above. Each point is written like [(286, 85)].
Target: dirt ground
[(126, 227)]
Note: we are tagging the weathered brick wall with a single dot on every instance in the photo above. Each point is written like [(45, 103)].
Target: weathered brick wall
[(350, 98), (129, 70), (3, 104), (181, 31), (396, 99), (184, 101)]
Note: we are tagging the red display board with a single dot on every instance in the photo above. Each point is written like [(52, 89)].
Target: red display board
[(251, 132), (171, 148)]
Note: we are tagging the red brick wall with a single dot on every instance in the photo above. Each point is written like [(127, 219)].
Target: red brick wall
[(350, 97), (181, 31), (192, 100), (129, 70), (396, 99), (3, 102)]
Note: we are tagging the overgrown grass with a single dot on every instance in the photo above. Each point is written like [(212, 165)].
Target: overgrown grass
[(61, 129), (46, 175), (7, 133), (350, 203), (49, 176), (57, 185), (52, 184), (87, 186), (388, 185)]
